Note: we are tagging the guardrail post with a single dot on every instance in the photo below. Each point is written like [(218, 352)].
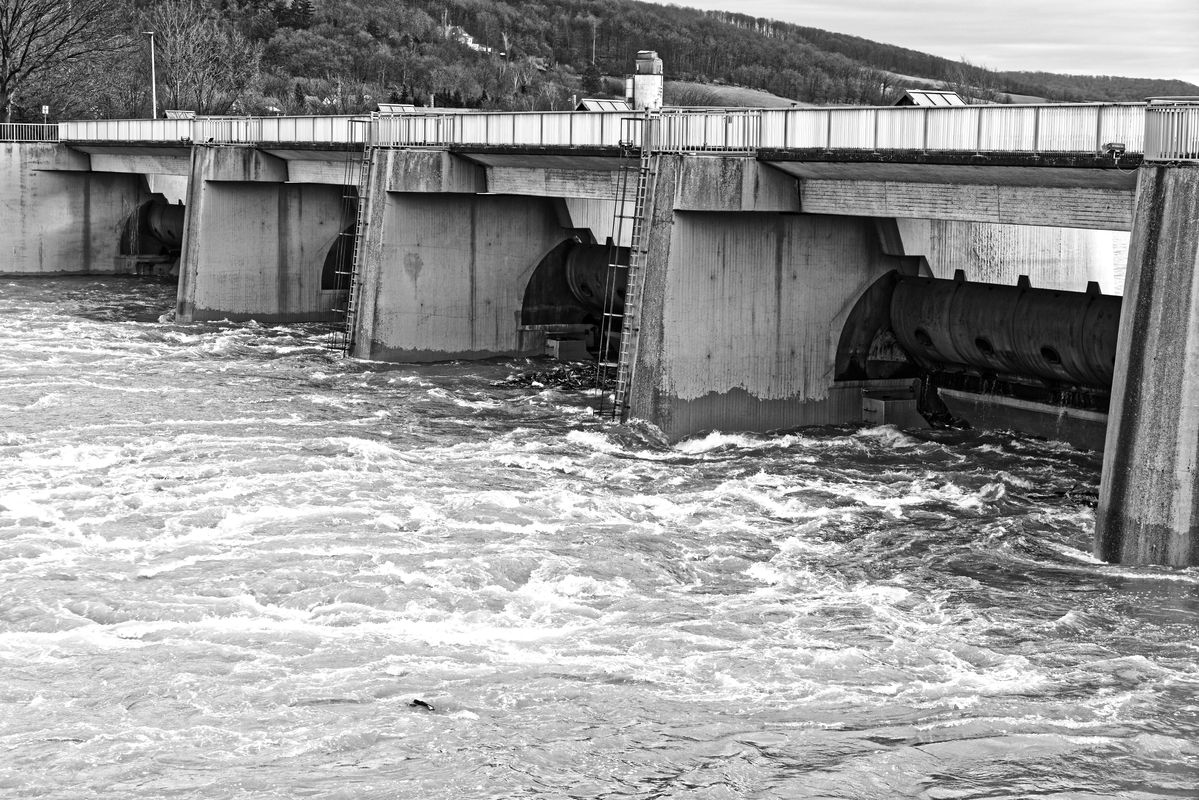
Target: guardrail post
[(1036, 130)]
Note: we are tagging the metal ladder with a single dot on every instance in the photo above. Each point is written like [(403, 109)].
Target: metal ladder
[(625, 323), (347, 281)]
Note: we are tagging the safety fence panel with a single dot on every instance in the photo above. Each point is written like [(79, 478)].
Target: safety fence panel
[(708, 131), (954, 128), (126, 130), (28, 132), (228, 130), (1122, 123), (1172, 130), (1006, 129), (341, 129), (1067, 129), (851, 128), (900, 128), (795, 128)]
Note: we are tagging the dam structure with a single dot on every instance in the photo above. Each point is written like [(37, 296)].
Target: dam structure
[(737, 270)]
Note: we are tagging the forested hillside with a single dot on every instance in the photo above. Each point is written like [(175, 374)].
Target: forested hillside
[(344, 56)]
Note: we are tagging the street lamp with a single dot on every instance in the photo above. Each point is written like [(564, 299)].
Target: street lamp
[(153, 77)]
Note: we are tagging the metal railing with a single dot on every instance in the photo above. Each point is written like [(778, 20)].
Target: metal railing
[(1066, 128), (339, 129), (126, 130), (28, 132), (1165, 130), (531, 129), (1172, 129)]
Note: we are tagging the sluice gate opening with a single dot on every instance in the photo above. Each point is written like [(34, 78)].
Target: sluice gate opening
[(1041, 361), (568, 293), (152, 239)]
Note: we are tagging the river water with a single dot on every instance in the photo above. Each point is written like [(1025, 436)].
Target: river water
[(231, 561)]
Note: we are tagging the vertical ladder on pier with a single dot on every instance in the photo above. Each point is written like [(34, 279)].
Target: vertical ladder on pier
[(348, 279), (620, 326)]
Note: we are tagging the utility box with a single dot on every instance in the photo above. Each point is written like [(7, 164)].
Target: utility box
[(898, 408), (567, 349)]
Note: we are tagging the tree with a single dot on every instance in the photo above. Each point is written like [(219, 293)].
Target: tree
[(204, 64), (40, 36)]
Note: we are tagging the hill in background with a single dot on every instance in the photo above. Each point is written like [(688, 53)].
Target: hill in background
[(344, 56)]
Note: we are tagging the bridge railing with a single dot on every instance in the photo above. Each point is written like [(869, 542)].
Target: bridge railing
[(533, 129), (125, 130), (28, 132), (1172, 129), (701, 131), (337, 129), (1065, 128)]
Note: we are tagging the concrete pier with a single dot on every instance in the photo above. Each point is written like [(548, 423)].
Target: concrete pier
[(57, 216), (255, 245), (1149, 497), (444, 264), (742, 309)]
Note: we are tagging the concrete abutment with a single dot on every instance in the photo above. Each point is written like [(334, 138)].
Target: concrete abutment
[(1149, 496)]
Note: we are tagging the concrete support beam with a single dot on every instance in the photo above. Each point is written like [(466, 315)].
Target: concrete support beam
[(428, 171), (1068, 207), (238, 164), (57, 218), (741, 314), (254, 247), (1149, 496), (734, 183), (593, 184), (141, 160)]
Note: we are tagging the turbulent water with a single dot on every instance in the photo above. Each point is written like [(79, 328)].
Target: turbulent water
[(231, 562)]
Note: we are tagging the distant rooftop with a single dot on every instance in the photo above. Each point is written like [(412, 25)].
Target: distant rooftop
[(602, 104), (929, 97)]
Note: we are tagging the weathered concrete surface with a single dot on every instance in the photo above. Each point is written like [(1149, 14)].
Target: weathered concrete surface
[(443, 274), (1052, 258), (741, 314), (446, 275), (732, 183), (253, 247), (1149, 495), (427, 171), (1061, 197), (56, 216)]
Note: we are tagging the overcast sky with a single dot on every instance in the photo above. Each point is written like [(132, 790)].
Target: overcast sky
[(1140, 39)]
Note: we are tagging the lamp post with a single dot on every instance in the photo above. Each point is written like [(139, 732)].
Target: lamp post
[(153, 78)]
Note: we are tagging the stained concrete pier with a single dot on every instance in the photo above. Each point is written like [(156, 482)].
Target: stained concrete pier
[(1149, 496), (255, 242)]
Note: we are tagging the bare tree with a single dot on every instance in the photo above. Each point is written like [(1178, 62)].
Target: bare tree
[(973, 83), (40, 36), (205, 66)]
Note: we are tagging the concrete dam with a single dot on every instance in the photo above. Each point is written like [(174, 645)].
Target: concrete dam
[(741, 270)]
